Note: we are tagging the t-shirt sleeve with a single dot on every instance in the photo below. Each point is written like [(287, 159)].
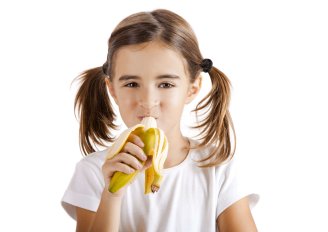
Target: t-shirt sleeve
[(234, 184), (84, 189)]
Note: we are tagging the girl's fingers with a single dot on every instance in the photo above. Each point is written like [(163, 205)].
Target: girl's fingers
[(135, 150), (121, 167), (130, 160), (112, 166), (147, 164), (136, 140)]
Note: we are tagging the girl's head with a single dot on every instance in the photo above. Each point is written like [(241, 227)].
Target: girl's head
[(151, 79), (153, 68)]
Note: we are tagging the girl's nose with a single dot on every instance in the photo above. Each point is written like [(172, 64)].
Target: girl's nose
[(148, 99)]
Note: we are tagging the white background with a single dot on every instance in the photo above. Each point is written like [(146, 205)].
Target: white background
[(274, 52)]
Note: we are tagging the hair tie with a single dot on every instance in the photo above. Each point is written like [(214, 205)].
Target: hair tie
[(206, 65)]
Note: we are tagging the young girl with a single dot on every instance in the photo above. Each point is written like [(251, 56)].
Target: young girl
[(153, 68)]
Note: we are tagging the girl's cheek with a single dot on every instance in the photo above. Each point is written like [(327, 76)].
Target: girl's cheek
[(129, 101)]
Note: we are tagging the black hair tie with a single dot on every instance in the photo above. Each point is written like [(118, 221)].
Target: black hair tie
[(206, 65)]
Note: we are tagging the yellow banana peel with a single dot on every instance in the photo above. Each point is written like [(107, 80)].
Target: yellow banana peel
[(155, 146)]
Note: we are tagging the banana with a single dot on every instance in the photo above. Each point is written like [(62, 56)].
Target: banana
[(155, 147)]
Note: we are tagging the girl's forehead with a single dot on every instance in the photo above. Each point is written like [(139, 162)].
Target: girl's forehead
[(149, 59)]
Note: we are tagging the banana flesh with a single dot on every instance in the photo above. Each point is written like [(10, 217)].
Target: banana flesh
[(155, 147)]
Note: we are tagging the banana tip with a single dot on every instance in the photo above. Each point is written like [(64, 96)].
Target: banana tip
[(154, 188)]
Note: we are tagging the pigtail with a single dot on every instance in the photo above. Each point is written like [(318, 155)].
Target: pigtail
[(95, 110), (215, 126)]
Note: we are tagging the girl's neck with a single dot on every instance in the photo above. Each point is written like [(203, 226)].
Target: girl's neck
[(178, 150)]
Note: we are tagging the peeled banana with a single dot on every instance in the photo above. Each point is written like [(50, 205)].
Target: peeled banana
[(155, 146)]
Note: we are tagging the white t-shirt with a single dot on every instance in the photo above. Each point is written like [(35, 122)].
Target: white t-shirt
[(190, 198)]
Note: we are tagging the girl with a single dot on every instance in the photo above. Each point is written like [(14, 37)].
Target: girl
[(153, 69)]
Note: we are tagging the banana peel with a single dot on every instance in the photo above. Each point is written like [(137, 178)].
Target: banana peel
[(155, 147)]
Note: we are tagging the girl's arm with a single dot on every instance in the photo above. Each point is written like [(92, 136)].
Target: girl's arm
[(237, 218), (107, 217)]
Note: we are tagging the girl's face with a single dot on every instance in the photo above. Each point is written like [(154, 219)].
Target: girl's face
[(151, 80)]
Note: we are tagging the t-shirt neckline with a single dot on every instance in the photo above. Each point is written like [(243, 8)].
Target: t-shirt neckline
[(183, 163)]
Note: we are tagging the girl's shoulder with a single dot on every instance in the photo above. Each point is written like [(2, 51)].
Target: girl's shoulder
[(95, 159), (204, 152)]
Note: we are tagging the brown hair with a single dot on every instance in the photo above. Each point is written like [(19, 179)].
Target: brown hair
[(93, 103)]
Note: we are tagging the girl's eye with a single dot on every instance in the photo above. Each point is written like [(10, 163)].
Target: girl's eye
[(166, 85), (131, 85)]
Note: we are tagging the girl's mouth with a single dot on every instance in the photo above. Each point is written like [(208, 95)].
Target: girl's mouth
[(141, 117)]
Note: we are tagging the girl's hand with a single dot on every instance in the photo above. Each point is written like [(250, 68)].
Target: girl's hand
[(127, 161)]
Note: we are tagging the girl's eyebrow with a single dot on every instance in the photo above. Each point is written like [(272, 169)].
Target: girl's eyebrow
[(134, 77)]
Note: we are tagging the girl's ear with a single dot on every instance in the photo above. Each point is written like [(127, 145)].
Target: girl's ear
[(194, 89), (111, 89)]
